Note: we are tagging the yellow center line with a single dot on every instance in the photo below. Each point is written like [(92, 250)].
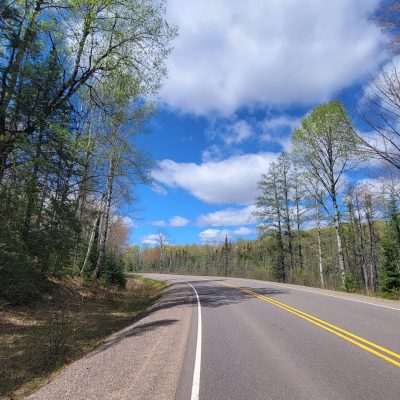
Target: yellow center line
[(358, 341)]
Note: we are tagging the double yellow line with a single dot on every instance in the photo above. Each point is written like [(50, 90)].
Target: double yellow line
[(379, 351)]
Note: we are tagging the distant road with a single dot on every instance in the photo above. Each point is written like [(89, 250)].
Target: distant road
[(261, 340)]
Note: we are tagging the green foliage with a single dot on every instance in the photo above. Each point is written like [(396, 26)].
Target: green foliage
[(66, 101), (389, 277), (350, 284), (20, 284), (114, 271)]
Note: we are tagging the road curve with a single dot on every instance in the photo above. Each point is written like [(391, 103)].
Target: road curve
[(262, 340), (215, 338)]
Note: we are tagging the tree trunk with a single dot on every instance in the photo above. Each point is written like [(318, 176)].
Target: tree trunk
[(321, 270), (298, 222), (287, 220), (91, 241), (103, 237), (373, 259), (363, 251), (339, 239)]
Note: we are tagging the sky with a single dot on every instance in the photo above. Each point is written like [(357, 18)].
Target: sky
[(241, 76)]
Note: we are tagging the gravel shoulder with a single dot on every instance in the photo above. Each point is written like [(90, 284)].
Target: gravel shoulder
[(143, 361)]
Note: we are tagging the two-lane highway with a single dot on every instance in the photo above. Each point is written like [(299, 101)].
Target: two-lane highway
[(261, 340), (214, 338)]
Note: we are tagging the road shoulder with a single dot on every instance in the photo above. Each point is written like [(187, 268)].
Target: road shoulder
[(143, 361)]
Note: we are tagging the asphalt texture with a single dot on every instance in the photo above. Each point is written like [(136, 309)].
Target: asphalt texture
[(260, 340)]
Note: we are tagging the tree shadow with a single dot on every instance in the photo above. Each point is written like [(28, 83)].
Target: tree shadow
[(180, 294), (131, 331)]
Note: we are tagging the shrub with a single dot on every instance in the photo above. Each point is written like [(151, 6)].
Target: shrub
[(20, 283), (114, 272)]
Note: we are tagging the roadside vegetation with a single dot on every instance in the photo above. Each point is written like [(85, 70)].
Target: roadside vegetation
[(37, 340), (75, 79)]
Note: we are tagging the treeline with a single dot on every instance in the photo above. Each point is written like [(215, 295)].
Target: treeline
[(317, 224), (74, 79)]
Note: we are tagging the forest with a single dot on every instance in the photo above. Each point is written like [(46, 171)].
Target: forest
[(76, 78)]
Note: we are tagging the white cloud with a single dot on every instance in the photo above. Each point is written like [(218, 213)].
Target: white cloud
[(279, 130), (160, 223), (154, 239), (128, 222), (212, 153), (239, 132), (213, 235), (158, 189), (242, 231), (218, 235), (230, 181), (228, 217), (178, 221), (384, 185), (279, 122), (233, 54)]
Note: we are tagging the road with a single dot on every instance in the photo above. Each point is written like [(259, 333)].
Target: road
[(214, 338), (266, 348)]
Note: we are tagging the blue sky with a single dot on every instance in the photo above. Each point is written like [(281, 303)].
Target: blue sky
[(240, 77)]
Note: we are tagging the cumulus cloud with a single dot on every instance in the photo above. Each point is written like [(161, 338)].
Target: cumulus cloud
[(228, 217), (279, 122), (128, 222), (233, 54), (175, 222), (230, 181), (279, 130), (178, 221), (239, 132), (212, 235), (243, 231), (154, 239), (159, 222)]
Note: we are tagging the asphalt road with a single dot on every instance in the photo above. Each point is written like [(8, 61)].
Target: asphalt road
[(213, 338), (261, 340)]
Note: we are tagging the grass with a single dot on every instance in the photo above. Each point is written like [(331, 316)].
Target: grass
[(37, 341)]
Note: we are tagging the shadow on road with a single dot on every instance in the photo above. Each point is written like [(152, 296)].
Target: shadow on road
[(178, 294), (210, 295)]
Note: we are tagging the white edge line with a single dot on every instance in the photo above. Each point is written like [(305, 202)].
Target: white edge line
[(197, 362)]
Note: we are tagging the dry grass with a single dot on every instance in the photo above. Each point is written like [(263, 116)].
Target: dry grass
[(37, 341)]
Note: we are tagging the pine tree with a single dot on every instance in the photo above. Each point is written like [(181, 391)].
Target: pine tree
[(389, 277)]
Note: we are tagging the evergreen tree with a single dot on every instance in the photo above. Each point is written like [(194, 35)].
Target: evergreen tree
[(389, 277)]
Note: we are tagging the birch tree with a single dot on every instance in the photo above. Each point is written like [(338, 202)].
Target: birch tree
[(325, 145)]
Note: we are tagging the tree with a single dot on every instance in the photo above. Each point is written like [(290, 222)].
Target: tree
[(389, 280), (226, 249), (284, 169), (269, 211), (89, 40), (325, 145), (380, 107), (75, 79), (316, 204)]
